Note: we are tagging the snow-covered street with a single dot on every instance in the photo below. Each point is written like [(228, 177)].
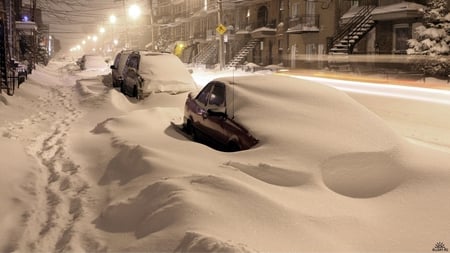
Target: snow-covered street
[(86, 169)]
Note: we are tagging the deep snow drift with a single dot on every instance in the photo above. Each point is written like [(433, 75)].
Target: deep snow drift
[(86, 168)]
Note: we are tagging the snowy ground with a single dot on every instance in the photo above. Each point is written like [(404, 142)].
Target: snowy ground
[(86, 169)]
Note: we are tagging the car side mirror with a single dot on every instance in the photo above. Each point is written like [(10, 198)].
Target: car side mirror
[(218, 112)]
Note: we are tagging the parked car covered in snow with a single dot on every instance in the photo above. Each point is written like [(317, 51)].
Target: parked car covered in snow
[(147, 72), (209, 114), (117, 69), (92, 62)]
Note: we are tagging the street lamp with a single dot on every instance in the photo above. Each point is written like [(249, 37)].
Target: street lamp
[(134, 11), (112, 19)]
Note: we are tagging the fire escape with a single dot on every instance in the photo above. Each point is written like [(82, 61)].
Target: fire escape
[(5, 64), (353, 30), (242, 54)]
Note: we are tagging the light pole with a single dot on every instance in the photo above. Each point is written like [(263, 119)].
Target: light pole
[(112, 21), (219, 19), (134, 11), (102, 41)]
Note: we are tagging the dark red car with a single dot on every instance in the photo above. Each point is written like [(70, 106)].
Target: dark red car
[(207, 117)]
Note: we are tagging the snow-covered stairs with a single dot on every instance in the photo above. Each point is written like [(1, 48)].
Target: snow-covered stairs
[(353, 31), (245, 50), (206, 53)]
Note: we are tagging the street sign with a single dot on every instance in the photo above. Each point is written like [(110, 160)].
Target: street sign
[(221, 29)]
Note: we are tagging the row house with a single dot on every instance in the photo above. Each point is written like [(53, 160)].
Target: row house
[(377, 26), (281, 32), (264, 32), (19, 41)]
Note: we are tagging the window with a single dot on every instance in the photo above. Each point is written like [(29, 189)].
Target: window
[(295, 10), (117, 60), (133, 62), (217, 95), (262, 16), (202, 97), (310, 7), (401, 36)]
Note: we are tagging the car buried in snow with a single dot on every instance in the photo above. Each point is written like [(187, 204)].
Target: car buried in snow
[(149, 72), (209, 116), (92, 62), (117, 69)]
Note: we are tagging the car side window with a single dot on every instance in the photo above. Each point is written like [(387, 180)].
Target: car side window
[(117, 60), (202, 97), (133, 62), (217, 97)]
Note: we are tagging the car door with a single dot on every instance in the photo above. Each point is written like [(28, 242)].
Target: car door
[(130, 71), (198, 108), (115, 67), (214, 114)]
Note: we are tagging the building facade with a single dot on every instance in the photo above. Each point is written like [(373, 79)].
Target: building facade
[(264, 32), (280, 32)]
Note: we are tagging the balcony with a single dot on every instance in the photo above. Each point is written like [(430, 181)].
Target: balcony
[(26, 27), (304, 24), (263, 31)]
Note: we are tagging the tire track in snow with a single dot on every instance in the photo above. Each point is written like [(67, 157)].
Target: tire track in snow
[(57, 187)]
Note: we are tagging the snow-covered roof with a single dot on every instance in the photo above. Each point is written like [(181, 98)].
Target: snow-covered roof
[(264, 29), (398, 10), (300, 28), (403, 9)]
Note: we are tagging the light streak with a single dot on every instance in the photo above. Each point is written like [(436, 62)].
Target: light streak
[(388, 90)]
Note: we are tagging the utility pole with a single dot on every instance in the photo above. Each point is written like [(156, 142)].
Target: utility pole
[(221, 46), (151, 24)]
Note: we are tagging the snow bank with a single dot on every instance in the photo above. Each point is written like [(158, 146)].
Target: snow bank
[(109, 173), (323, 167)]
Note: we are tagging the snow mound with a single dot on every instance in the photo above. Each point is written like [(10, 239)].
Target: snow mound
[(90, 87), (272, 175), (155, 208), (120, 101), (194, 242), (3, 100), (362, 175), (128, 164)]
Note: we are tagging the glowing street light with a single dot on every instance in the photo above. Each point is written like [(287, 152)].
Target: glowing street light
[(134, 11), (102, 29), (112, 19), (94, 38)]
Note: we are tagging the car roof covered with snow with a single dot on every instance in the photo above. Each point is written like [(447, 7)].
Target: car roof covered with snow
[(290, 104), (164, 72)]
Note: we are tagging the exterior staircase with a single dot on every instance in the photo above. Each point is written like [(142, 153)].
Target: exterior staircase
[(245, 50), (352, 31), (207, 53)]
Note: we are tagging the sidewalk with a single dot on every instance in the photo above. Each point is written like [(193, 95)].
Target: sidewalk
[(382, 78)]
